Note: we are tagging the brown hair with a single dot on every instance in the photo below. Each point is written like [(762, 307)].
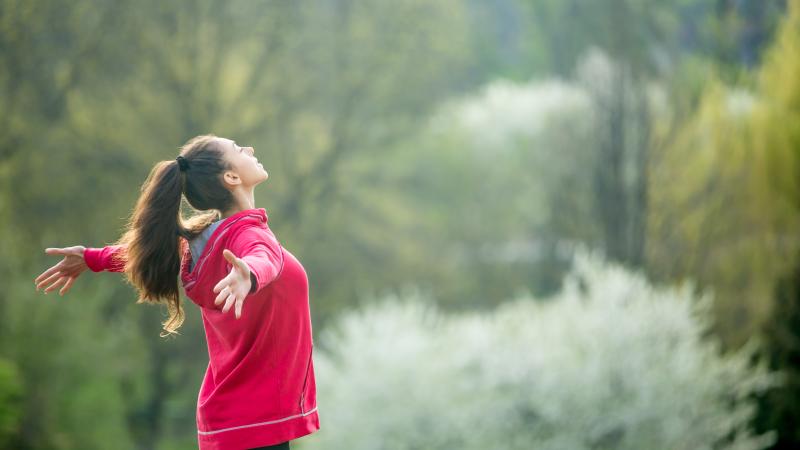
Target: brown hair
[(153, 233)]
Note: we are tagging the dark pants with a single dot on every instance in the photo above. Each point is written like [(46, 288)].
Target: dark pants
[(284, 446)]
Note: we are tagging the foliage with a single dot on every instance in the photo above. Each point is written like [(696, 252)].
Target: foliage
[(565, 155), (99, 92), (336, 97), (609, 362), (730, 223), (776, 137), (11, 393), (72, 365)]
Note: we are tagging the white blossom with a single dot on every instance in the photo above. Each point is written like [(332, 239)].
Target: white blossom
[(609, 362)]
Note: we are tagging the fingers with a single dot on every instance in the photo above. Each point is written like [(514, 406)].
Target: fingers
[(46, 274), (58, 283), (53, 276), (56, 271), (223, 294), (225, 287), (66, 287), (238, 310), (232, 301), (228, 303), (223, 283)]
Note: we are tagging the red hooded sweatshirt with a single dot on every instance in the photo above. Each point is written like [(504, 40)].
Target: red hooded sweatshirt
[(259, 387)]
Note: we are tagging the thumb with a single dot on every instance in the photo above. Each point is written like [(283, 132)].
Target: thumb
[(55, 251), (237, 263), (229, 256)]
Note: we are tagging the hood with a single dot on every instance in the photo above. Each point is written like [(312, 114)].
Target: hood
[(246, 218)]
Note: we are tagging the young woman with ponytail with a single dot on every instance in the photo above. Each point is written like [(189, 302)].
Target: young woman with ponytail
[(259, 389)]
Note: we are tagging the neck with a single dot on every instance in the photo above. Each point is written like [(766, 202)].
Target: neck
[(243, 199)]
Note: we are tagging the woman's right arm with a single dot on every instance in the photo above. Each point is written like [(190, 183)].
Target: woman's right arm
[(110, 258)]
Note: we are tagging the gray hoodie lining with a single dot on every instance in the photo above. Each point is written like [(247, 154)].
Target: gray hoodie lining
[(197, 244)]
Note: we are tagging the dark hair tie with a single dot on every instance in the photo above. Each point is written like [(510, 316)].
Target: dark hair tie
[(182, 163)]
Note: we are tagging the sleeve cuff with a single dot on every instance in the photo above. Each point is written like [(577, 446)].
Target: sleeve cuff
[(253, 282), (253, 279), (91, 256)]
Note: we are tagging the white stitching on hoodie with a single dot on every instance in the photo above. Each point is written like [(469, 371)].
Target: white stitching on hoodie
[(257, 424)]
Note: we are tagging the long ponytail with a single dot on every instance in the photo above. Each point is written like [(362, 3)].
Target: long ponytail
[(155, 232)]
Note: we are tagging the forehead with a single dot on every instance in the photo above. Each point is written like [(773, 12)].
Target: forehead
[(227, 143)]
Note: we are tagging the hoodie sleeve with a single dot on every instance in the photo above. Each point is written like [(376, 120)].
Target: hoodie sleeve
[(110, 258), (262, 253)]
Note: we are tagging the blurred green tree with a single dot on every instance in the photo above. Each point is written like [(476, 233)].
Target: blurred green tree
[(101, 91), (11, 393)]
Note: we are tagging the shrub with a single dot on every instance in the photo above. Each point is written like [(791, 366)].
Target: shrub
[(609, 362)]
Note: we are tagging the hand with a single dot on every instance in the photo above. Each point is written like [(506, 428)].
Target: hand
[(235, 286), (65, 272)]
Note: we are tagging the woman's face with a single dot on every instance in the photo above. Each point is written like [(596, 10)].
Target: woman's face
[(246, 170)]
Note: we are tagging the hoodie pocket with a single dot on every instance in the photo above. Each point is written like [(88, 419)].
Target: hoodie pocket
[(305, 381)]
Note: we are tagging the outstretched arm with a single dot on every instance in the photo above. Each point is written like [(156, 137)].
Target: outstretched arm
[(261, 262), (76, 260), (262, 254)]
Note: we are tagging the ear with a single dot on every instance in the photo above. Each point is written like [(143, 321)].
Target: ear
[(231, 177)]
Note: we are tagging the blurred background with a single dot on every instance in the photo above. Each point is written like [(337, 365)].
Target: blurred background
[(527, 224)]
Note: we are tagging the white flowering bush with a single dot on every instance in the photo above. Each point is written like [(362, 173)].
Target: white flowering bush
[(609, 363), (505, 114)]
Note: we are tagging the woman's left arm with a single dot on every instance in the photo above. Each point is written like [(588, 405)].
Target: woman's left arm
[(262, 253), (260, 263)]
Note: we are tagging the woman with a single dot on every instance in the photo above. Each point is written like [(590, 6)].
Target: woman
[(259, 388)]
